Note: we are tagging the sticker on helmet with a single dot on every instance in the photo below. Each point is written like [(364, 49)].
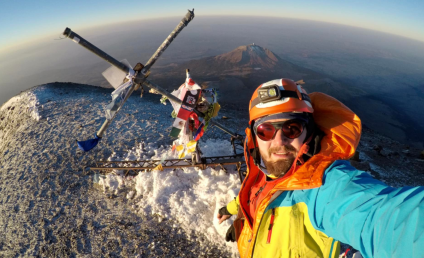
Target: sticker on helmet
[(273, 82), (273, 103)]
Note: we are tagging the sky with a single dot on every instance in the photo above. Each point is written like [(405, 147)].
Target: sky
[(23, 22)]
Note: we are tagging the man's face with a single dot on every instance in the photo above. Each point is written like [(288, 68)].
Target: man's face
[(279, 153)]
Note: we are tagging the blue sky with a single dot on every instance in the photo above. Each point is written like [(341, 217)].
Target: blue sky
[(23, 21)]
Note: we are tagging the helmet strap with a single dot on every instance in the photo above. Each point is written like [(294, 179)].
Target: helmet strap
[(298, 161), (255, 151)]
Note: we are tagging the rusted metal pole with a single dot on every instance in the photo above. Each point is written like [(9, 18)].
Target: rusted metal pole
[(87, 45), (172, 166), (141, 77), (183, 23)]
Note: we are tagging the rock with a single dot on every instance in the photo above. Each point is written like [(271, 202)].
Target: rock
[(386, 152), (364, 166), (355, 156), (377, 148)]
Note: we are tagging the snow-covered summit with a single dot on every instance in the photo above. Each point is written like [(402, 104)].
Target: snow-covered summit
[(52, 205), (46, 183)]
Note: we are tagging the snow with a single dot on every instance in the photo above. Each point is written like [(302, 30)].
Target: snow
[(33, 106), (10, 102), (189, 196), (256, 48), (57, 114), (25, 97)]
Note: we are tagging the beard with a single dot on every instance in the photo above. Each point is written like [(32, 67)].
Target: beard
[(280, 167)]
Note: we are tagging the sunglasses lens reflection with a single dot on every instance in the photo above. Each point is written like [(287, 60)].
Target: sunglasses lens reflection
[(265, 131), (291, 129)]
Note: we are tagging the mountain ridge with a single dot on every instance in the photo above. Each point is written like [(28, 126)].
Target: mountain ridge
[(241, 61), (240, 71), (250, 55)]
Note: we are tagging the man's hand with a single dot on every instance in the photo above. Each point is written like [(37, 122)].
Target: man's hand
[(223, 214), (231, 234), (222, 218)]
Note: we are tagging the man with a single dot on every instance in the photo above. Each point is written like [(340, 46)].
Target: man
[(301, 195)]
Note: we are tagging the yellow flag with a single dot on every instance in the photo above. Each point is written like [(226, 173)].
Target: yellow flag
[(181, 151), (216, 109), (191, 146), (159, 167)]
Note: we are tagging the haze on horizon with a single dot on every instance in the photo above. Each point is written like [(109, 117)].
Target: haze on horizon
[(27, 21), (206, 36), (29, 29), (383, 64)]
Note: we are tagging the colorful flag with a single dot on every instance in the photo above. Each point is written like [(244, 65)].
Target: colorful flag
[(189, 103), (159, 167), (200, 131), (191, 146), (181, 151)]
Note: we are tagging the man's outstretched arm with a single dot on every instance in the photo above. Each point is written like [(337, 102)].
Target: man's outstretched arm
[(378, 220)]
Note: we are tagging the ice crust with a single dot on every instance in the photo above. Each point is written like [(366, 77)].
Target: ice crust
[(26, 97), (189, 196), (38, 129)]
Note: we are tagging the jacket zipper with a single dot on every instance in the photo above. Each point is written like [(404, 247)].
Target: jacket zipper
[(248, 201), (256, 195), (271, 224), (256, 237)]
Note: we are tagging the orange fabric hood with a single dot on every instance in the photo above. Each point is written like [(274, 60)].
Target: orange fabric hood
[(342, 130)]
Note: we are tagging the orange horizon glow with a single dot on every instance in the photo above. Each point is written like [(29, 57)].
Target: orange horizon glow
[(401, 32)]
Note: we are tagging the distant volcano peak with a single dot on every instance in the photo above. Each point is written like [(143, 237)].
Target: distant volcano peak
[(250, 55), (248, 60), (251, 47)]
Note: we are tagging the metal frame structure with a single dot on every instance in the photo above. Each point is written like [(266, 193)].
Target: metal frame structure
[(132, 168)]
